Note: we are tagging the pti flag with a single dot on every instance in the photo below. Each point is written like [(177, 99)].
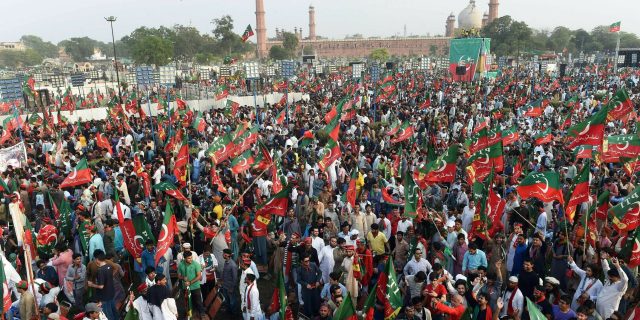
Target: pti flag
[(80, 175), (614, 27), (542, 185), (626, 214), (590, 131), (248, 33), (580, 192), (169, 229)]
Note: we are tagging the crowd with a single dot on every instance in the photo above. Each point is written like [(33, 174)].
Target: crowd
[(368, 200)]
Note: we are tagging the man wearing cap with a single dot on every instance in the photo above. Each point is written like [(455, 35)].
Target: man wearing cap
[(351, 282), (49, 293), (92, 311), (513, 299), (140, 303), (27, 301), (614, 287), (186, 247)]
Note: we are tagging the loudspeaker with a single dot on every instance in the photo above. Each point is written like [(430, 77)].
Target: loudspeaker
[(461, 70), (44, 99), (563, 69), (389, 65)]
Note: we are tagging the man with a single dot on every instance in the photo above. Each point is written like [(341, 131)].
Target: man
[(229, 281), (190, 272), (92, 311), (325, 256), (417, 264), (542, 303), (588, 287), (377, 241), (513, 300), (614, 288), (528, 279), (468, 213), (46, 273), (334, 280), (309, 277), (473, 259), (140, 303), (520, 252), (512, 244), (404, 224), (562, 311), (455, 311), (400, 251), (27, 301), (537, 252), (104, 285), (77, 275), (251, 299)]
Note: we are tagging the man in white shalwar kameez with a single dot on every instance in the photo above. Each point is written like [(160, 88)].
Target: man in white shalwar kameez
[(614, 287), (325, 256)]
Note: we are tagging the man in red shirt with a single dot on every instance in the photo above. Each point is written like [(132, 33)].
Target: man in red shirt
[(435, 291), (454, 311)]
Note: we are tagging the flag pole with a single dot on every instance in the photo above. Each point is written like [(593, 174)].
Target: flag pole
[(27, 263), (615, 63)]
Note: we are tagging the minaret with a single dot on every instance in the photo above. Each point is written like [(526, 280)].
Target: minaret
[(451, 22), (312, 23), (261, 29), (485, 19), (493, 10)]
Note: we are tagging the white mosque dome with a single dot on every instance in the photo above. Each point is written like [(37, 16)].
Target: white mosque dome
[(470, 17)]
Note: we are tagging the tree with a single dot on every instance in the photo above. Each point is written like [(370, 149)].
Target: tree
[(16, 59), (508, 36), (44, 49), (308, 50), (433, 50), (561, 39), (153, 50), (380, 54), (278, 53), (290, 43), (227, 42), (581, 38), (81, 48)]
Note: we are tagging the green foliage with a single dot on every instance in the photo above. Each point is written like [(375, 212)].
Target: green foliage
[(307, 50), (153, 50), (15, 59), (278, 53), (227, 42), (379, 54), (508, 36), (81, 48), (290, 42), (44, 49)]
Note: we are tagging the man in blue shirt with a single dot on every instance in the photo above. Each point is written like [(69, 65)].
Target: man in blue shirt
[(473, 259)]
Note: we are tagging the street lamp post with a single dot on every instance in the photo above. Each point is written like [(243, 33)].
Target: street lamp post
[(111, 19), (252, 72)]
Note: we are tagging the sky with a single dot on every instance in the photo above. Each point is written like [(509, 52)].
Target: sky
[(62, 19)]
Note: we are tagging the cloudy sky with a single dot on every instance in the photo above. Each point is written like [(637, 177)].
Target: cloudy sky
[(61, 19)]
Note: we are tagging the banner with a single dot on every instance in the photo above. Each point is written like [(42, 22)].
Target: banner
[(470, 53), (13, 156)]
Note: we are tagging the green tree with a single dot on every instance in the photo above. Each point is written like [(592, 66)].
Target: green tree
[(561, 39), (153, 50), (433, 50), (227, 42), (44, 49), (581, 39), (81, 48), (290, 43), (188, 41), (278, 53), (18, 59), (379, 54), (508, 36), (308, 50)]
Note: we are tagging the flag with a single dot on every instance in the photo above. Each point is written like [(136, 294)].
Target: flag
[(248, 32), (169, 229), (370, 303), (233, 107), (132, 314), (220, 149), (494, 136), (626, 214), (601, 208), (536, 108), (80, 175), (281, 116), (388, 291), (394, 128), (306, 139), (351, 193), (279, 300), (631, 165), (534, 312), (614, 147), (583, 152), (566, 122), (404, 133), (614, 27), (277, 204), (103, 142), (243, 162), (544, 137), (198, 122), (330, 154), (346, 310), (487, 159), (478, 141), (580, 192), (631, 250), (182, 158), (222, 92), (4, 286), (588, 132), (170, 189), (509, 136), (411, 196), (333, 129), (481, 194), (620, 105), (443, 169), (542, 185), (128, 230)]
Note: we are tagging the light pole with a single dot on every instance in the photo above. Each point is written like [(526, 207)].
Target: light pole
[(111, 19), (252, 72), (288, 70)]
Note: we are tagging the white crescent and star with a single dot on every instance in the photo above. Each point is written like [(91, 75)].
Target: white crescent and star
[(164, 233), (443, 167), (546, 186), (73, 174), (586, 129), (626, 145)]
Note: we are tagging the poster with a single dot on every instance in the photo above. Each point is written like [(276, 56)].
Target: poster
[(470, 54), (14, 156)]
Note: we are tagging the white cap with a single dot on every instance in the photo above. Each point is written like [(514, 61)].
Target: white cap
[(450, 224), (186, 245), (513, 279)]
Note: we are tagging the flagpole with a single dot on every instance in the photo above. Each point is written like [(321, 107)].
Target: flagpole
[(27, 262), (615, 63), (155, 145)]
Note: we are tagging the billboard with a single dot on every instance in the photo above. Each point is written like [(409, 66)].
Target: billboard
[(468, 57)]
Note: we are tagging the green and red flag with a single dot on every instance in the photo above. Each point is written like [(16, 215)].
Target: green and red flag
[(80, 175), (534, 312), (103, 142), (262, 160), (4, 286), (370, 303), (351, 195), (411, 196), (631, 252), (128, 230), (198, 122), (544, 137), (220, 149), (405, 132), (346, 310), (580, 192), (330, 154), (281, 116), (626, 214), (483, 161), (509, 136), (277, 204), (631, 165), (441, 170), (182, 158), (542, 185), (615, 27), (248, 33), (477, 141), (601, 208), (388, 291), (494, 137), (566, 122), (583, 152), (279, 300), (243, 162), (536, 108), (169, 229), (615, 147), (245, 141), (393, 128), (170, 189), (232, 107), (35, 120), (306, 139), (222, 92), (588, 132)]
